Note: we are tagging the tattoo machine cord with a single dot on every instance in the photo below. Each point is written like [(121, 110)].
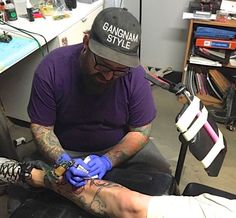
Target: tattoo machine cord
[(27, 33)]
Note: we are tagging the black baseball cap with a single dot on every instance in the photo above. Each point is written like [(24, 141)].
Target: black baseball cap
[(115, 35)]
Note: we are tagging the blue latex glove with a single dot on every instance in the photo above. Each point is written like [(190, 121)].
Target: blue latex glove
[(99, 165), (73, 175), (63, 158), (77, 174)]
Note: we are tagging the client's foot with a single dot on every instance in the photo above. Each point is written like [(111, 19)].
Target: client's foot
[(12, 171)]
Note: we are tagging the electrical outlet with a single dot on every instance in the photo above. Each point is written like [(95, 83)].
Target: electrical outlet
[(19, 141)]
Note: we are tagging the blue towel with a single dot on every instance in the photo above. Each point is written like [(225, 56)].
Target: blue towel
[(12, 52)]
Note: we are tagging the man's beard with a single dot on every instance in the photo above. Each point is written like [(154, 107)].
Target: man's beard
[(93, 87)]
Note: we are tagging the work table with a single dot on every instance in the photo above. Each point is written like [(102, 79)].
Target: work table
[(17, 64), (12, 52)]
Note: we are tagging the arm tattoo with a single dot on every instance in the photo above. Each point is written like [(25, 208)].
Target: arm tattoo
[(97, 204), (47, 141), (88, 197), (130, 144), (118, 155), (144, 130)]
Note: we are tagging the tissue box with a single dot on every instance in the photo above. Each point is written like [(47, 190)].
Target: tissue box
[(87, 1)]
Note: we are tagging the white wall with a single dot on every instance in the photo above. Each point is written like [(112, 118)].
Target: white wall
[(163, 31)]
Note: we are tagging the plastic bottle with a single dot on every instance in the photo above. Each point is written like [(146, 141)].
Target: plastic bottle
[(29, 9), (10, 11), (20, 6), (2, 11)]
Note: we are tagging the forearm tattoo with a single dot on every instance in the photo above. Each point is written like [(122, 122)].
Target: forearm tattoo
[(88, 197), (144, 130), (130, 144), (47, 141)]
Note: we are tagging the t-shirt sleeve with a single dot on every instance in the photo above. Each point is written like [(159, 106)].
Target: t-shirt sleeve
[(42, 104), (202, 206), (141, 105)]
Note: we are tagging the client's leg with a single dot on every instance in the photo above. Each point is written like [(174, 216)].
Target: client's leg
[(97, 196)]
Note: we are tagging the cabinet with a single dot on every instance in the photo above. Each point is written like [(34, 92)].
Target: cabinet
[(75, 33), (203, 86)]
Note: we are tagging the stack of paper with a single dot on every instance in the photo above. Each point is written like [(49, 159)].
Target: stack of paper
[(203, 61)]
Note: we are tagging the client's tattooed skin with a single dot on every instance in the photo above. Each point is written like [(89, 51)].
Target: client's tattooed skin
[(88, 197)]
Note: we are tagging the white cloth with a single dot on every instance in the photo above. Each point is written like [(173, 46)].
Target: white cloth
[(202, 206)]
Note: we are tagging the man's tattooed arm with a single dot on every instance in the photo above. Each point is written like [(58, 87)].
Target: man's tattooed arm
[(133, 142), (47, 141)]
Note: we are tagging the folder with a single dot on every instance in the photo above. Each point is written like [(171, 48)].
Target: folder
[(209, 53), (216, 43)]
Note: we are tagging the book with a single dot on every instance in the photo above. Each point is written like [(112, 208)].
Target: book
[(210, 100), (216, 43), (220, 80), (203, 61), (213, 88)]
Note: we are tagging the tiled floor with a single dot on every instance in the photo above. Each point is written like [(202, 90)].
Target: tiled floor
[(166, 138)]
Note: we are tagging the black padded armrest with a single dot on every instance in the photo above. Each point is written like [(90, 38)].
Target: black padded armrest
[(194, 189)]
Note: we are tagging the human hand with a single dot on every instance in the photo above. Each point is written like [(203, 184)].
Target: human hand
[(77, 174), (99, 165), (63, 158)]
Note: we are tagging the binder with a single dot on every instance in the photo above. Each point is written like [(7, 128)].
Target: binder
[(215, 33), (208, 53), (216, 43)]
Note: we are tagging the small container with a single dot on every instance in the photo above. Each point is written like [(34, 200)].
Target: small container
[(221, 16), (10, 11), (46, 9), (20, 6)]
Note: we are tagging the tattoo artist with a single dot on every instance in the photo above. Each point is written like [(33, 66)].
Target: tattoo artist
[(92, 99)]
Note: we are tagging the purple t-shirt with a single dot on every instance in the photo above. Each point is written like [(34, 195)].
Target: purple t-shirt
[(84, 122)]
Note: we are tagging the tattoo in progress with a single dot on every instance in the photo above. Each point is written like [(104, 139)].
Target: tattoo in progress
[(88, 197), (47, 141), (130, 144)]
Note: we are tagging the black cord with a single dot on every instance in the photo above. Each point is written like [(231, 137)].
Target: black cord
[(25, 32), (45, 40)]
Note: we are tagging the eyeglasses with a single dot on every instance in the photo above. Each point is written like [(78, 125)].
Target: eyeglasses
[(105, 69)]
